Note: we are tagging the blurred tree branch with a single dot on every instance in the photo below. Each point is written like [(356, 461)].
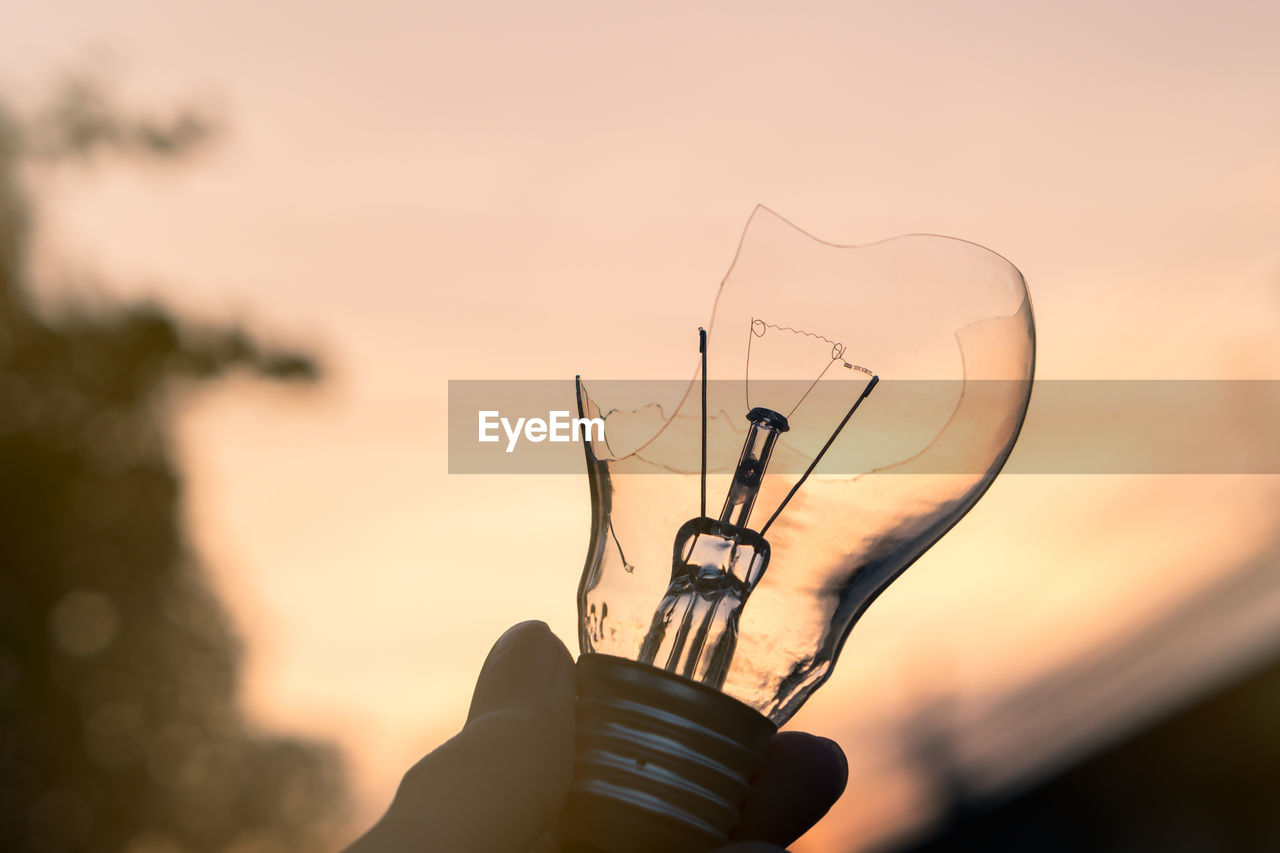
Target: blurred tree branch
[(83, 121)]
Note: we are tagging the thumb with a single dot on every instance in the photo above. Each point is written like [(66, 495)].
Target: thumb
[(498, 784)]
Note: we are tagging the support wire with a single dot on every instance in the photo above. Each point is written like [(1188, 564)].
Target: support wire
[(866, 392)]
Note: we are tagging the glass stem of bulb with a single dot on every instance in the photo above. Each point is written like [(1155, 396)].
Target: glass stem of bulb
[(762, 435)]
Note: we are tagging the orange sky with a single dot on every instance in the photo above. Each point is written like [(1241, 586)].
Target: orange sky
[(536, 190)]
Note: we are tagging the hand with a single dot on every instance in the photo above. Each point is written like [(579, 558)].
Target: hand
[(499, 784)]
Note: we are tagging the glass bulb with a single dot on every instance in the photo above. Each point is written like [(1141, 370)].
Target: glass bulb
[(858, 402)]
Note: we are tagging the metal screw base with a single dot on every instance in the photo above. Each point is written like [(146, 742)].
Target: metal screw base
[(662, 762)]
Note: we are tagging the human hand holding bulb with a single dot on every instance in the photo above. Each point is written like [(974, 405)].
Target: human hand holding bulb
[(701, 635), (499, 785)]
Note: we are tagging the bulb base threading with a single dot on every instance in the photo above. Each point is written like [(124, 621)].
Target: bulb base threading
[(662, 763)]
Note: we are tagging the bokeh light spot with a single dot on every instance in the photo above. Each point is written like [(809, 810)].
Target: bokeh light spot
[(84, 623)]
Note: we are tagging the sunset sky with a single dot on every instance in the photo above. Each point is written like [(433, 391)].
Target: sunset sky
[(497, 190)]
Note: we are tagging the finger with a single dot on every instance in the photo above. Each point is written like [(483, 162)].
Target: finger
[(522, 666), (802, 777), (499, 783)]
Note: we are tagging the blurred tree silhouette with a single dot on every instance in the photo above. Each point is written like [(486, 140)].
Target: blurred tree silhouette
[(118, 669)]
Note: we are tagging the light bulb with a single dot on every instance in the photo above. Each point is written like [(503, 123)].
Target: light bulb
[(851, 403)]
